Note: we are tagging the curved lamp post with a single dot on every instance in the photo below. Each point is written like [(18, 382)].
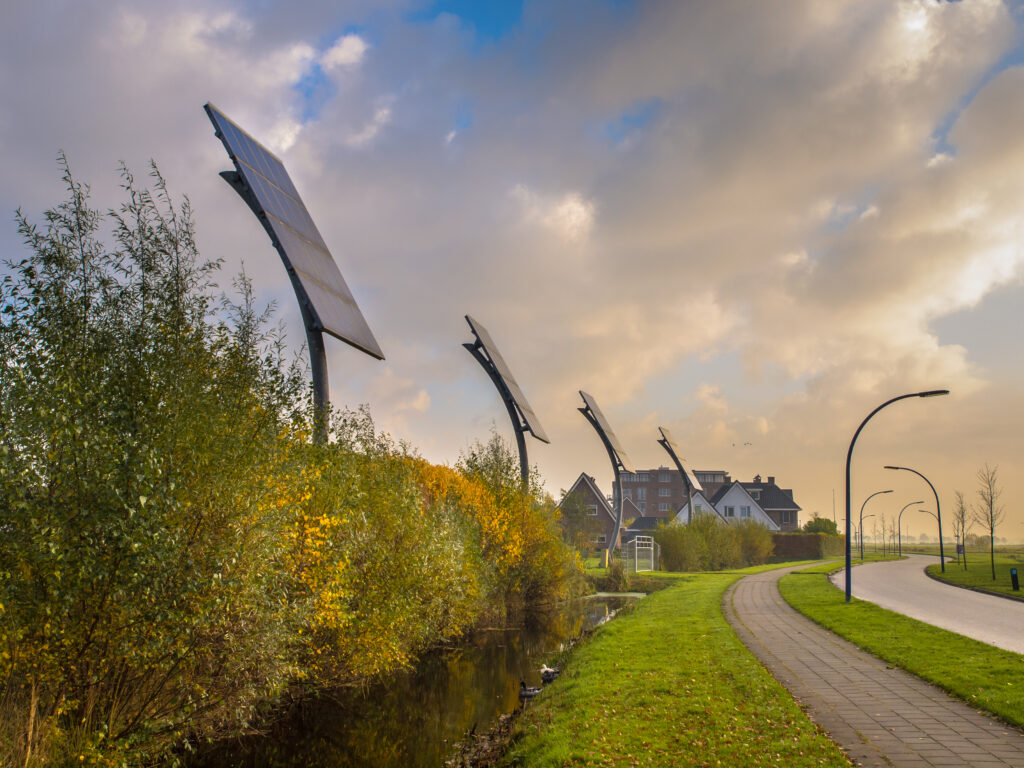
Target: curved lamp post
[(869, 498), (899, 523), (938, 512), (849, 461)]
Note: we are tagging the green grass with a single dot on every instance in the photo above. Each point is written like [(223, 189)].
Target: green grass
[(669, 684), (987, 677), (979, 571)]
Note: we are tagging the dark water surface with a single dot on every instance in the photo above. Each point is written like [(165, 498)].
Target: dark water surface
[(415, 718)]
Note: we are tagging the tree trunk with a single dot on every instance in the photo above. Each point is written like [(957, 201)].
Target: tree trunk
[(992, 552)]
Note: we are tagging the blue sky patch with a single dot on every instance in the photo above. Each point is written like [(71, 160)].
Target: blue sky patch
[(632, 121), (492, 19)]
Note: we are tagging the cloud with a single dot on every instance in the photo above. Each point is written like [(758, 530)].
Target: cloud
[(366, 134), (824, 190), (569, 216), (347, 52)]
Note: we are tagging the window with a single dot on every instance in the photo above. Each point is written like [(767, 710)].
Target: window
[(643, 506), (730, 511), (641, 477), (628, 477), (755, 494), (600, 539), (699, 508), (591, 509), (663, 507), (627, 493), (745, 513), (665, 492), (641, 493), (663, 477), (787, 516)]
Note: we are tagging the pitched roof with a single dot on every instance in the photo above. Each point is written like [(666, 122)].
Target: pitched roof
[(645, 523), (588, 482), (773, 497), (631, 510)]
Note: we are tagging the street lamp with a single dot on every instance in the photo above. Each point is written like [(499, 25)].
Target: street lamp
[(899, 524), (938, 512), (849, 461), (869, 498)]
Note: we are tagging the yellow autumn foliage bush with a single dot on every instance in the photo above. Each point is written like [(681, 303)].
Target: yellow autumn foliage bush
[(176, 554)]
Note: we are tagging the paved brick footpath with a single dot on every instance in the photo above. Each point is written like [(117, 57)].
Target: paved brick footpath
[(881, 716)]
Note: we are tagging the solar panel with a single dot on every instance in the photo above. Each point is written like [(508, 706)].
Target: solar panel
[(305, 255), (673, 449), (491, 350), (606, 428)]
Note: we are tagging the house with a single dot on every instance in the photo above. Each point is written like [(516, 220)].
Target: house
[(777, 502), (597, 505), (733, 503), (654, 496), (641, 526), (701, 506), (662, 491)]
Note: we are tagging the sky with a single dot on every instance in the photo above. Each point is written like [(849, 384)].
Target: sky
[(750, 223)]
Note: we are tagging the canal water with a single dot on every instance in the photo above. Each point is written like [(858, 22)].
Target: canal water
[(414, 719)]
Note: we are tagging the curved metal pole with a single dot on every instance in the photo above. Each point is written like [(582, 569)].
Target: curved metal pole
[(664, 443), (617, 468), (869, 498), (938, 513), (899, 523), (849, 461), (510, 404)]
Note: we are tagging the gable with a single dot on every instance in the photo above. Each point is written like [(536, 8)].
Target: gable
[(701, 507), (737, 497), (630, 510), (587, 487)]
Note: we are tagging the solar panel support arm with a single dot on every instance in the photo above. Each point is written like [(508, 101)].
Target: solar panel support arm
[(314, 334), (618, 468), (518, 423), (689, 488)]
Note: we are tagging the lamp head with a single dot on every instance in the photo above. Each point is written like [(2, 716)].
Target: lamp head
[(889, 491), (933, 393), (890, 467)]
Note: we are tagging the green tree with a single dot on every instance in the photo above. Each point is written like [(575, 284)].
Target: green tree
[(821, 525), (139, 435)]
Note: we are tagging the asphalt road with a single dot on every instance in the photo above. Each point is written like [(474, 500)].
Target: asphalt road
[(902, 586)]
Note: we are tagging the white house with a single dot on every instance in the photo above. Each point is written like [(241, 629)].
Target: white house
[(701, 506), (732, 503)]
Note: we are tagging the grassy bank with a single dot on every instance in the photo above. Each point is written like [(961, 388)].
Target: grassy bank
[(979, 572), (987, 677), (670, 684)]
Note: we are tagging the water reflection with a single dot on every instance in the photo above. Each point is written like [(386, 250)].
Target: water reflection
[(414, 719)]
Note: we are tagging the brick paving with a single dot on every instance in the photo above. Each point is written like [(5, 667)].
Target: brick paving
[(880, 715)]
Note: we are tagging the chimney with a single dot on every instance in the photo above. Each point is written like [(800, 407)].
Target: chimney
[(771, 480), (757, 478)]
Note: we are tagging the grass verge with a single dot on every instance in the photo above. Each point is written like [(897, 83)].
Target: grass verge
[(987, 677), (979, 572), (670, 684)]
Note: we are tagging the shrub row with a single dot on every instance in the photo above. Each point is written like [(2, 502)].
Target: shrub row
[(175, 552), (707, 544)]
